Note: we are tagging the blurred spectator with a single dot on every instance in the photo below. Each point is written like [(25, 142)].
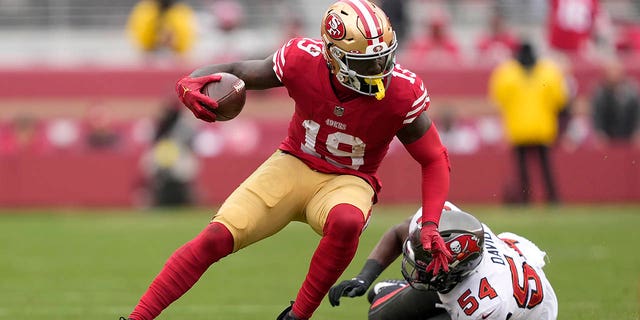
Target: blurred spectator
[(616, 106), (490, 130), (567, 67), (171, 166), (497, 43), (529, 92), (228, 16), (455, 135), (628, 40), (63, 134), (100, 133), (155, 25), (579, 130), (22, 135), (435, 46), (139, 133), (573, 26)]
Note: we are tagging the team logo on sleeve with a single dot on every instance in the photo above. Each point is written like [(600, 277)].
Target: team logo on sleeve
[(463, 246), (335, 27)]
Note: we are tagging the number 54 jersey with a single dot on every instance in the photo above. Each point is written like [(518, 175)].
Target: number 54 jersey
[(509, 283), (349, 137)]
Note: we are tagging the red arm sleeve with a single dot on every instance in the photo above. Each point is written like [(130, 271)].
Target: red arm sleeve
[(433, 157)]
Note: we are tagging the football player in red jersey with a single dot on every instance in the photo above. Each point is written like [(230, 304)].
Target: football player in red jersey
[(572, 24), (351, 100)]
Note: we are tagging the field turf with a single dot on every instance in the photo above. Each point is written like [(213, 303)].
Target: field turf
[(95, 264)]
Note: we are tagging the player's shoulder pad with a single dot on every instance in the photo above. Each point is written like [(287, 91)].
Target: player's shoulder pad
[(411, 92), (295, 54), (408, 80)]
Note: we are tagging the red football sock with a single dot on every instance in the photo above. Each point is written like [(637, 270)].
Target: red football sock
[(183, 269), (334, 253)]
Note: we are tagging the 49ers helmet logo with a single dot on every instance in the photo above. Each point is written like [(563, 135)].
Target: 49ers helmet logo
[(335, 27)]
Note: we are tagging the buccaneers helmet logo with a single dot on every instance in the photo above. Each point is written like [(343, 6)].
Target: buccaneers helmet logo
[(335, 27), (463, 246)]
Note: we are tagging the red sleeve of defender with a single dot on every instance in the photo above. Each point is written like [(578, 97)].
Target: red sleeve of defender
[(433, 157)]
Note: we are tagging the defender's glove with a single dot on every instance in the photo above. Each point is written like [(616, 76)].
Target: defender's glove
[(348, 288), (286, 313), (432, 241), (189, 92)]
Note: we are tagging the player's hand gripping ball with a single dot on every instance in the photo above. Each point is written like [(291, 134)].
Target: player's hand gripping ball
[(230, 94)]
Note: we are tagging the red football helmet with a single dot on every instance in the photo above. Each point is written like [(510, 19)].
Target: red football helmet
[(359, 46), (464, 237)]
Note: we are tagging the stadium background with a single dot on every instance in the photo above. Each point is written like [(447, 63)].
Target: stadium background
[(66, 63), (68, 254)]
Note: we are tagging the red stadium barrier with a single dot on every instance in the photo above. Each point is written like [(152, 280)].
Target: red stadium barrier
[(95, 179), (112, 179), (585, 176)]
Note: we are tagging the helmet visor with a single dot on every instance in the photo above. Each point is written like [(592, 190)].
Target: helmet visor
[(415, 262), (367, 73), (417, 278), (369, 65)]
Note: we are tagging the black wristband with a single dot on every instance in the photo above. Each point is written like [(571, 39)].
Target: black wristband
[(370, 271), (429, 222)]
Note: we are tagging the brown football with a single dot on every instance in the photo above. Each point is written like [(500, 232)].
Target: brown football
[(230, 93)]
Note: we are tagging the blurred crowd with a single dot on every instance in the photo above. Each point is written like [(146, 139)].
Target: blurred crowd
[(582, 29)]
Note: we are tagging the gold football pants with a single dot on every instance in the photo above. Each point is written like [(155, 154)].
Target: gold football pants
[(284, 189)]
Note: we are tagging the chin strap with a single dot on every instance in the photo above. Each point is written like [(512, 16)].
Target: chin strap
[(377, 82)]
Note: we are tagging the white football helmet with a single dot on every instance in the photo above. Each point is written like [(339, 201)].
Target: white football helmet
[(359, 46)]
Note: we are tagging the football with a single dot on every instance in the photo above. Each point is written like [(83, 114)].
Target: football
[(230, 93)]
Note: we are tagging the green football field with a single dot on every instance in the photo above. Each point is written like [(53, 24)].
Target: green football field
[(95, 264)]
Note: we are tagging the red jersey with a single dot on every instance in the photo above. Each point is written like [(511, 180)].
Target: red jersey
[(350, 137), (571, 23)]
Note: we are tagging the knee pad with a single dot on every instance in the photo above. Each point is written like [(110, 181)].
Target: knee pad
[(345, 221), (216, 238)]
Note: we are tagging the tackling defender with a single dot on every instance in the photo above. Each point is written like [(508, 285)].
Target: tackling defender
[(351, 100), (490, 276)]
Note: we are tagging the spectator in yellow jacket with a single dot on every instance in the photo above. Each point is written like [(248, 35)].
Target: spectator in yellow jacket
[(530, 93), (162, 24)]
